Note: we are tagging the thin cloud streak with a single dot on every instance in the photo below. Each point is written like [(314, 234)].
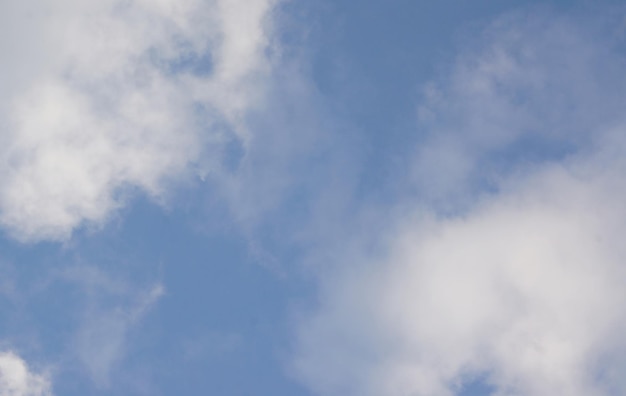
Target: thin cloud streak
[(101, 339)]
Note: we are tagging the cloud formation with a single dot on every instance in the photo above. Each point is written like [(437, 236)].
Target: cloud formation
[(102, 98), (508, 267), (16, 379), (531, 88)]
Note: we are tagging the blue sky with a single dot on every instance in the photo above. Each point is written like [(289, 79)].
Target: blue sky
[(295, 197)]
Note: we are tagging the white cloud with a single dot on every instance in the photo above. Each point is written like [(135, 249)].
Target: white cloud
[(16, 379), (526, 290), (103, 97), (509, 267)]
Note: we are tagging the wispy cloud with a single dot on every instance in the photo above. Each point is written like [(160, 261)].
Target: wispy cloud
[(113, 307), (531, 88)]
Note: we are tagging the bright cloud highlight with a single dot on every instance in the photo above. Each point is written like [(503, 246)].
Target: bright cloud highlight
[(16, 379)]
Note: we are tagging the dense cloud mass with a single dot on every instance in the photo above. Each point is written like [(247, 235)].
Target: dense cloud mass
[(509, 268), (100, 98), (17, 380), (526, 290)]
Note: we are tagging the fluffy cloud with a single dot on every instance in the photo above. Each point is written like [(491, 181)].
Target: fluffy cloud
[(110, 96), (526, 291), (17, 380), (508, 268)]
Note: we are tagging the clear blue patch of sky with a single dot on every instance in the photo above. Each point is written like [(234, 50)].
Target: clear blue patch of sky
[(221, 326), (477, 387)]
